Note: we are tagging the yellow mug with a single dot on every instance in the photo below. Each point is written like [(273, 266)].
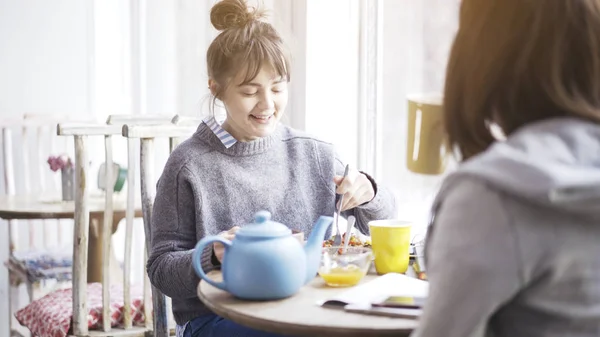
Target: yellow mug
[(426, 146), (390, 240)]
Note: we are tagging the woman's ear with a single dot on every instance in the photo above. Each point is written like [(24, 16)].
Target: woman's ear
[(213, 86)]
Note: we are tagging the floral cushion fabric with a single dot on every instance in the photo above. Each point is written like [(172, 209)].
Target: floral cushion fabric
[(40, 265), (51, 315)]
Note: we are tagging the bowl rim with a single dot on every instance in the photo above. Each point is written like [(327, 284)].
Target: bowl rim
[(363, 250)]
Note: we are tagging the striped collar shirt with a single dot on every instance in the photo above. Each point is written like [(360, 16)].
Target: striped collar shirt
[(218, 130)]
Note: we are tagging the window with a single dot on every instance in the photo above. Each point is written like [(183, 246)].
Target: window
[(363, 57), (417, 36)]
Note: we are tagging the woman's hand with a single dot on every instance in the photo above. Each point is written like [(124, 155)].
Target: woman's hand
[(356, 188), (218, 247)]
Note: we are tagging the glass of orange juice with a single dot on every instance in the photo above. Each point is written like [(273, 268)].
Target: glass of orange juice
[(344, 269)]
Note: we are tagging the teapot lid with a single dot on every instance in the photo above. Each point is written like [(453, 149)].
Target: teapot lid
[(264, 227)]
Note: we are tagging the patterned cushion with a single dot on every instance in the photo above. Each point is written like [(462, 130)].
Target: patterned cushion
[(51, 315), (40, 265)]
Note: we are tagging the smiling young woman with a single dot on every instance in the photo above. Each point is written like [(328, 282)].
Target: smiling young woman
[(216, 181)]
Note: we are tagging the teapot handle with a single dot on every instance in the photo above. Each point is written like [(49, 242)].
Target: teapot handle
[(197, 259)]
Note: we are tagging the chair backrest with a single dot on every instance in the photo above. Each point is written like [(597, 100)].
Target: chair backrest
[(80, 134), (130, 212), (182, 120), (29, 133), (146, 135), (27, 143)]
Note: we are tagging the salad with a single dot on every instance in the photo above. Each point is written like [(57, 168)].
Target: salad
[(355, 241)]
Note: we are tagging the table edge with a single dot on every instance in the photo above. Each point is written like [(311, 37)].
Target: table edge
[(296, 329), (49, 215)]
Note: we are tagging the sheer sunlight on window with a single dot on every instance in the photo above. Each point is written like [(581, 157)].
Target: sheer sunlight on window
[(362, 60), (331, 74), (416, 40)]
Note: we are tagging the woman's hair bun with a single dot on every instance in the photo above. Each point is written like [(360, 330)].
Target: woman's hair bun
[(227, 14)]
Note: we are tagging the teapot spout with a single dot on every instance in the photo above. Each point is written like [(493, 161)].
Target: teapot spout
[(314, 246)]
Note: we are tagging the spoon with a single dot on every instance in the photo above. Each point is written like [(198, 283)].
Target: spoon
[(337, 240), (351, 220)]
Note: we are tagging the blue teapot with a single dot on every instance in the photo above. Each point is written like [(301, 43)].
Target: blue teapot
[(264, 261)]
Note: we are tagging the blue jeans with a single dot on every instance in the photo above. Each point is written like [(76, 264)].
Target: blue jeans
[(212, 325)]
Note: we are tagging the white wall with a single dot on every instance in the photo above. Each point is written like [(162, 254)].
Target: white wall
[(111, 54), (161, 59), (44, 62)]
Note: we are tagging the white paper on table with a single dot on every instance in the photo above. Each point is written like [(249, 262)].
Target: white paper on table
[(377, 290)]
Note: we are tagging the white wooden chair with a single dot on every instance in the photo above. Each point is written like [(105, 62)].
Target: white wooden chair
[(81, 235), (115, 126), (27, 141), (156, 315), (132, 155), (79, 293), (80, 309), (147, 135)]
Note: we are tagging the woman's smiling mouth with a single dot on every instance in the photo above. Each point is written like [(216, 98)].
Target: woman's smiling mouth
[(263, 119)]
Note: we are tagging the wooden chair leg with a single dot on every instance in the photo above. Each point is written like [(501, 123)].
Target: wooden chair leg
[(13, 306), (30, 291)]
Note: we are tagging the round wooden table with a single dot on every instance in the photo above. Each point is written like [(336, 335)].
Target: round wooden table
[(300, 315), (48, 207)]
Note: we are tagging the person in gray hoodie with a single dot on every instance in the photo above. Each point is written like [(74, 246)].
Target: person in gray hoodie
[(513, 248)]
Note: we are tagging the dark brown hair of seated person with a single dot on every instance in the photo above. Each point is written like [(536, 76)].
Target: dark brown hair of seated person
[(514, 62)]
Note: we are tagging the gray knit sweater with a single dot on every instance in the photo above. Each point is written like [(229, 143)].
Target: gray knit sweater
[(206, 188)]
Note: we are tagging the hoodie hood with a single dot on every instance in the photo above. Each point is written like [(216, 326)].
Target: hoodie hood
[(555, 163)]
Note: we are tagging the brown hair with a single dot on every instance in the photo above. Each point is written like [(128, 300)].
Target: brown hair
[(245, 44), (514, 62)]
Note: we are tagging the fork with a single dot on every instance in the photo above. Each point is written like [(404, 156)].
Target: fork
[(337, 239)]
